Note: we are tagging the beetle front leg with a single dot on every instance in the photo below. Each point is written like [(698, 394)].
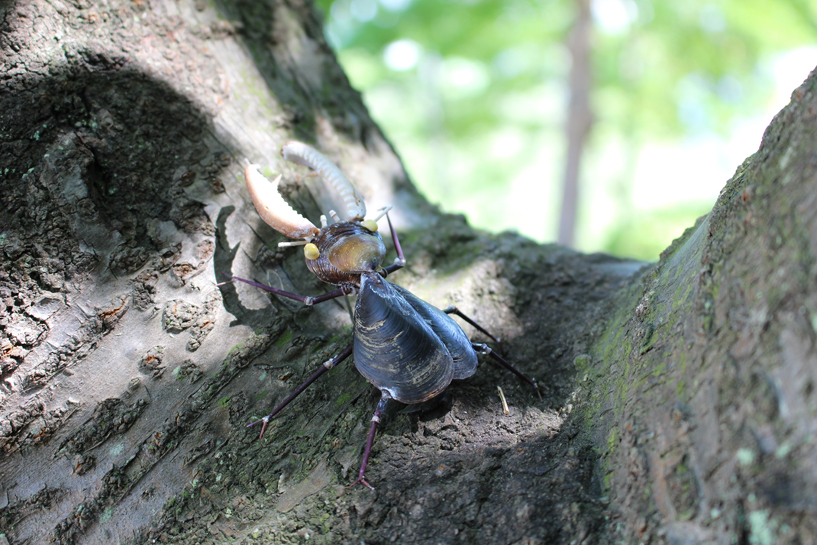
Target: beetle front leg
[(326, 366), (305, 299), (378, 412), (400, 260)]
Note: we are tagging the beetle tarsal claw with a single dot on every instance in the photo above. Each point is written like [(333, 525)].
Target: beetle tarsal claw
[(273, 209), (265, 421), (363, 481)]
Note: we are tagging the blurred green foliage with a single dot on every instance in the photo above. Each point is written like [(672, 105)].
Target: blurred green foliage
[(640, 235), (473, 92)]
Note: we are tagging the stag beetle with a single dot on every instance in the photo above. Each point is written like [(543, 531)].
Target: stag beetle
[(408, 349)]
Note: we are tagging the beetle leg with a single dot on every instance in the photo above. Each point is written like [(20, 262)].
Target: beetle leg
[(485, 349), (452, 309), (381, 405), (400, 260), (305, 299), (327, 365)]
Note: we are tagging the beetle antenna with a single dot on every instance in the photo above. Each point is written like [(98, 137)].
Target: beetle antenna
[(383, 211)]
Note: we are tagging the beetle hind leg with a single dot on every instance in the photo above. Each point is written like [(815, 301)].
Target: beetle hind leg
[(452, 309), (378, 412), (483, 348)]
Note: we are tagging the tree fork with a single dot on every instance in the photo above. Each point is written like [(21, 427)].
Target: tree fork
[(678, 397)]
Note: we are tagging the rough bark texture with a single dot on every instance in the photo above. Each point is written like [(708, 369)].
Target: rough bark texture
[(705, 377), (678, 398)]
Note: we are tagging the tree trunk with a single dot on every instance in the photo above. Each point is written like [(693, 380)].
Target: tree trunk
[(678, 398), (579, 119)]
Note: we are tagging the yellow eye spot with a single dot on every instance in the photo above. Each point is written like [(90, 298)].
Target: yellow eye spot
[(370, 225), (311, 251)]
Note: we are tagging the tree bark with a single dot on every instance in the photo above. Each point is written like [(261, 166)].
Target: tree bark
[(678, 397)]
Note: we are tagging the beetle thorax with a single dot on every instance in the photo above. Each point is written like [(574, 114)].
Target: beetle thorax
[(346, 250)]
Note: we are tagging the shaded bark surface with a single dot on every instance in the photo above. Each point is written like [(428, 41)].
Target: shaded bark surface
[(678, 398)]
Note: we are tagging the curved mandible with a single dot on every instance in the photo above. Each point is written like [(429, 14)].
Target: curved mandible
[(298, 152), (273, 209)]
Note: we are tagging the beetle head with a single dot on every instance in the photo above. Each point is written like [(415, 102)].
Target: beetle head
[(341, 252)]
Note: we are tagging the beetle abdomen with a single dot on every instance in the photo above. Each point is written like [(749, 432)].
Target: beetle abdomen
[(395, 348), (451, 334)]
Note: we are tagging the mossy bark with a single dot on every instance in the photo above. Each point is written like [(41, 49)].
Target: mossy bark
[(678, 397), (706, 375)]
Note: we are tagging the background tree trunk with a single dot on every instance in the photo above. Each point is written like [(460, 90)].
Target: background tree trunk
[(679, 397), (579, 119)]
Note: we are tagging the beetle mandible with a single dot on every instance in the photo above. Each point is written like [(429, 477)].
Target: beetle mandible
[(408, 349)]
